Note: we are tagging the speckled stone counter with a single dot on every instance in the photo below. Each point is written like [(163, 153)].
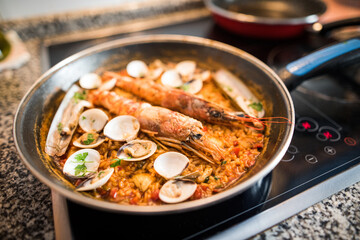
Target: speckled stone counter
[(25, 203)]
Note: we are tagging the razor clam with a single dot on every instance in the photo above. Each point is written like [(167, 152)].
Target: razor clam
[(122, 128), (137, 150), (89, 140), (65, 121), (97, 181), (175, 191), (82, 164), (170, 164), (239, 93), (93, 120)]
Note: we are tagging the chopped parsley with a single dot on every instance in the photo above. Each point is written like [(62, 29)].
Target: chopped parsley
[(223, 162), (206, 179), (83, 118), (185, 87), (229, 89), (81, 168), (79, 96), (60, 127), (256, 106), (116, 162), (89, 140), (100, 173), (216, 178)]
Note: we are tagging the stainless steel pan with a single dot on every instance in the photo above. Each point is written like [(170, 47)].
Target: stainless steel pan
[(37, 108)]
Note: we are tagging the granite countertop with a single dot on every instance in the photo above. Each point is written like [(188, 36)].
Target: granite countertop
[(25, 203)]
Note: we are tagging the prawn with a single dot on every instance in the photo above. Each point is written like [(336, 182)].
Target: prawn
[(170, 126), (180, 101)]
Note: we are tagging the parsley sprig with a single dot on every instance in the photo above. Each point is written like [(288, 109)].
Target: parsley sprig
[(115, 162), (256, 106), (79, 96), (89, 139), (81, 169)]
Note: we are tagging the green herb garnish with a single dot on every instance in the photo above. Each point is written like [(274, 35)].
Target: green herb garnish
[(79, 96), (89, 140), (100, 173), (60, 127), (116, 162), (257, 106), (206, 179), (216, 178), (228, 88), (185, 87), (81, 168), (223, 162), (83, 118)]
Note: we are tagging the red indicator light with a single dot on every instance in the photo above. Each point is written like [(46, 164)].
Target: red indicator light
[(350, 141), (306, 125), (327, 135)]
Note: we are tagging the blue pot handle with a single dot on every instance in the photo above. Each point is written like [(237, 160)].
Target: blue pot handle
[(319, 62)]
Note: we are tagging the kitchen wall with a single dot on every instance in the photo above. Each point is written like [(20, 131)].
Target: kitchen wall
[(15, 9)]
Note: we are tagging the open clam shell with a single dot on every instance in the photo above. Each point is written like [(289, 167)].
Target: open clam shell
[(90, 81), (171, 78), (122, 128), (93, 120), (137, 150), (89, 140), (99, 179), (186, 68), (170, 164), (175, 191), (82, 164)]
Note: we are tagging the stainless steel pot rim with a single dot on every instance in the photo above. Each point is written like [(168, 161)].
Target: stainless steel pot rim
[(171, 208), (245, 18)]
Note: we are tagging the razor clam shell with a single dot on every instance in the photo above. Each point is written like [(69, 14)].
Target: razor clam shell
[(238, 92), (68, 115)]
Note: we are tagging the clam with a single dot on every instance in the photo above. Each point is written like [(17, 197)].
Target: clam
[(170, 164), (82, 164), (186, 69), (171, 78), (193, 86), (122, 128), (90, 81), (89, 140), (65, 121), (93, 120), (97, 181), (137, 150), (108, 85), (175, 191), (137, 69), (239, 93)]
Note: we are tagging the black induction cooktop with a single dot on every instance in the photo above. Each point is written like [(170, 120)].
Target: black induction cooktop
[(323, 158)]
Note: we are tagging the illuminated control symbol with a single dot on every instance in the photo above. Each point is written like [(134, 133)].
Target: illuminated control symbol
[(306, 124), (327, 133), (350, 141), (329, 150), (290, 153), (311, 159)]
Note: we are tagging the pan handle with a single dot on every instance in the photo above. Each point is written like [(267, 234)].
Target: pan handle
[(320, 61)]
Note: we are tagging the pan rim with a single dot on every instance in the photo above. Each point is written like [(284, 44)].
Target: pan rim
[(162, 209)]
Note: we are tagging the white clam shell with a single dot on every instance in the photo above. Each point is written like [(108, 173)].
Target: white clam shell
[(171, 78), (100, 179), (186, 68), (92, 162), (77, 143), (175, 191), (170, 164), (90, 81), (93, 120), (193, 86), (122, 155), (122, 128), (137, 69), (108, 85)]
